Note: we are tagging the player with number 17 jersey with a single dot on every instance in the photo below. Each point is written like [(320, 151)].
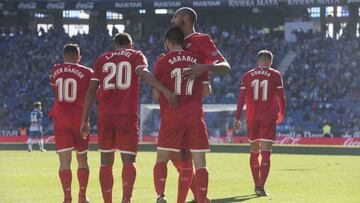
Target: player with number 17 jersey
[(183, 126), (70, 82), (118, 96)]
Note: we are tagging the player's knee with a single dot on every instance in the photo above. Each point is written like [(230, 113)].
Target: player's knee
[(107, 159), (199, 159), (164, 156), (128, 158)]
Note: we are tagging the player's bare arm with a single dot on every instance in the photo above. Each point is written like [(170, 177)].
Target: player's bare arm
[(88, 103), (206, 90), (240, 105), (197, 70), (151, 80), (156, 94)]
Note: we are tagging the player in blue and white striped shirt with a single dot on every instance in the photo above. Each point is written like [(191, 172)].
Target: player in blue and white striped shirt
[(36, 118)]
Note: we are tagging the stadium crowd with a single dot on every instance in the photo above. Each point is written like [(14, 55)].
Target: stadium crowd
[(321, 83)]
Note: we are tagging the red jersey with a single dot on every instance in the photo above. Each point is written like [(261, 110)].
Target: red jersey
[(119, 86), (203, 45), (70, 82), (261, 87), (168, 70)]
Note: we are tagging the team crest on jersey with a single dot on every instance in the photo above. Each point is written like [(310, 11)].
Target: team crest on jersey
[(188, 45)]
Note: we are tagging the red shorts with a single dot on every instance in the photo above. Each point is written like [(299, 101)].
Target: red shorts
[(118, 132), (264, 130), (189, 133), (67, 136)]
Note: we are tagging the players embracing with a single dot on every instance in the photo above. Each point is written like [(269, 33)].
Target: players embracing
[(262, 91)]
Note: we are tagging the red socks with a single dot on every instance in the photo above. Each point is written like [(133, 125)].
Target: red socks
[(160, 174), (185, 179), (265, 167), (65, 178), (178, 164), (83, 177), (255, 168), (106, 182), (202, 180), (128, 179)]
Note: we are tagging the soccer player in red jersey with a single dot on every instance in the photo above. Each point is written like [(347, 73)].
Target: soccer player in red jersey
[(263, 91), (184, 126), (203, 45), (70, 81), (116, 78)]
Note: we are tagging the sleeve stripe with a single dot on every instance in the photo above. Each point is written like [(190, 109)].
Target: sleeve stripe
[(279, 87), (243, 88), (205, 82), (95, 79)]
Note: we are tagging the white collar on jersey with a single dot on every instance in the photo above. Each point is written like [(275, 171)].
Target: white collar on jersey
[(70, 63), (190, 35), (176, 50)]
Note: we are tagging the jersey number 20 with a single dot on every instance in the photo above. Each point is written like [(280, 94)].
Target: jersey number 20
[(117, 71), (66, 89)]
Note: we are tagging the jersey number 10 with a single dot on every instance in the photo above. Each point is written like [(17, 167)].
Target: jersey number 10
[(66, 89), (263, 86)]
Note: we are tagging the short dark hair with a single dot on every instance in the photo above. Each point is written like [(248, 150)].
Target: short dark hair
[(189, 11), (72, 49), (122, 39), (265, 54), (37, 104), (175, 36)]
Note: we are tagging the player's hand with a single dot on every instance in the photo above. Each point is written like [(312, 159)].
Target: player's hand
[(84, 130), (237, 125), (280, 118), (195, 71), (171, 97), (160, 56)]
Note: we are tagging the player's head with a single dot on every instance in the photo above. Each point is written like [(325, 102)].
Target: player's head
[(184, 17), (37, 105), (174, 38), (71, 53), (264, 58), (122, 40)]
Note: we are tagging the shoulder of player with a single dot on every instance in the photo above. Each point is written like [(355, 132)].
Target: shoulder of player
[(200, 38), (56, 66), (277, 72), (90, 70)]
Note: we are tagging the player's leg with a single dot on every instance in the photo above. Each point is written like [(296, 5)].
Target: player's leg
[(199, 144), (31, 140), (128, 175), (81, 146), (265, 150), (201, 176), (126, 141), (160, 173), (65, 173), (254, 162), (106, 139), (41, 141), (267, 138), (82, 175), (106, 175)]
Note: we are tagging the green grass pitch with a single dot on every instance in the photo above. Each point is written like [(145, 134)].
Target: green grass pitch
[(32, 178)]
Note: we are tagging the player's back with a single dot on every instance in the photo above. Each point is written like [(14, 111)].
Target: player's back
[(70, 82), (260, 85), (203, 45), (119, 84), (168, 70)]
